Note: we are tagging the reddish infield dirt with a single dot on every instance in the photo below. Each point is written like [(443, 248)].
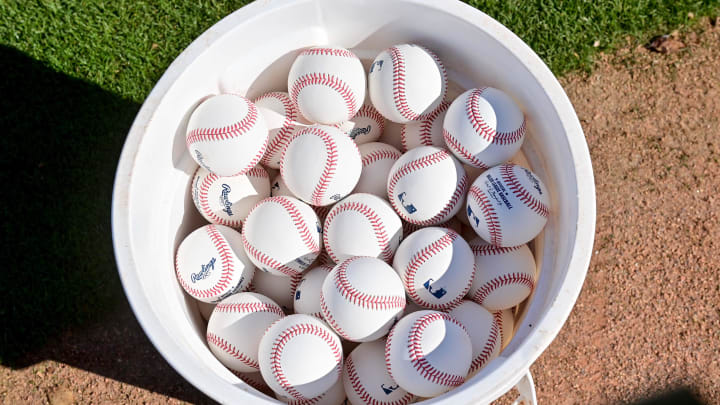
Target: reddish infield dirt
[(648, 318)]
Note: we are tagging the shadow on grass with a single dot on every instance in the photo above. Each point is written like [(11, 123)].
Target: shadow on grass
[(61, 295)]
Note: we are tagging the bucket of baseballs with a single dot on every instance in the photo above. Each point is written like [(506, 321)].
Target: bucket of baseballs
[(507, 125)]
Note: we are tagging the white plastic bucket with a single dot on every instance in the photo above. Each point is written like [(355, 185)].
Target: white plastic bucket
[(250, 52)]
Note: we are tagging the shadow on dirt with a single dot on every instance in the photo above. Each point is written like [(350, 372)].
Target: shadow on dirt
[(61, 295)]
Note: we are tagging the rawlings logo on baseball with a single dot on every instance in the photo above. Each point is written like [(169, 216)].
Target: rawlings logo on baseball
[(497, 191), (204, 271), (225, 199), (533, 179), (201, 159), (359, 131)]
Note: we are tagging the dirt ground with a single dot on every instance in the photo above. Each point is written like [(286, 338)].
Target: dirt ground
[(648, 318)]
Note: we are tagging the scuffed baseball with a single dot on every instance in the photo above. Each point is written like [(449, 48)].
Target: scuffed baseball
[(469, 127), (282, 117), (377, 160), (426, 186), (505, 275), (407, 82), (281, 235), (327, 84), (428, 353), (436, 267), (307, 293), (366, 379), (280, 289), (361, 298), (226, 135), (236, 326), (362, 225), (484, 332), (321, 165), (211, 264), (508, 205), (300, 357), (228, 200), (425, 132), (367, 124)]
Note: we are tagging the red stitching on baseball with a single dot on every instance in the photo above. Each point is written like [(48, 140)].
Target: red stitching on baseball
[(233, 351), (491, 219), (364, 395), (369, 111), (398, 62), (226, 132), (376, 223), (331, 161), (508, 175), (489, 250), (479, 361), (267, 260), (361, 299), (253, 383), (498, 317), (410, 167), (381, 154), (387, 351), (226, 259), (457, 147), (501, 281), (427, 124), (284, 338), (417, 357), (281, 139), (328, 52), (443, 72), (249, 307), (330, 319), (422, 256), (507, 138), (475, 116), (203, 199), (326, 79)]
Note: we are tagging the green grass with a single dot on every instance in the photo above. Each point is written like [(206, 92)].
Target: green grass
[(74, 75), (124, 46)]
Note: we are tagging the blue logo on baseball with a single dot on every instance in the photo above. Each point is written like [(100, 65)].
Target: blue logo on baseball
[(225, 199), (439, 293), (204, 271), (389, 390), (407, 205)]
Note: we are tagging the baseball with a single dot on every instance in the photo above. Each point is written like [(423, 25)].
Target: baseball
[(428, 353), (505, 275), (484, 332), (254, 380), (327, 84), (300, 357), (307, 293), (228, 200), (406, 83), (361, 298), (469, 126), (226, 135), (334, 396), (509, 131), (366, 378), (425, 132), (278, 288), (436, 267), (368, 124), (427, 186), (210, 263), (282, 235), (362, 225), (506, 320), (278, 187), (282, 117), (321, 165), (377, 160), (508, 205), (236, 326)]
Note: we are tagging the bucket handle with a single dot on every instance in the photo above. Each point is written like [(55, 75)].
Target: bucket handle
[(526, 387)]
